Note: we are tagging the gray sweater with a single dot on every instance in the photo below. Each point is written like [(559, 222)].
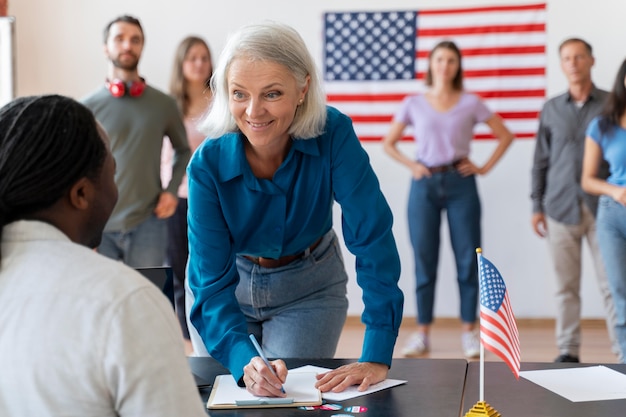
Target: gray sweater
[(136, 127)]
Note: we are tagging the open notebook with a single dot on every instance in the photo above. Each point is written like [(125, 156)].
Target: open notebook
[(300, 389)]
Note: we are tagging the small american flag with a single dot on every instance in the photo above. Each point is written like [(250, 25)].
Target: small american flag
[(498, 329), (372, 60)]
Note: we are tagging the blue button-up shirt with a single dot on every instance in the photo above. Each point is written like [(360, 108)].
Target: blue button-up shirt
[(233, 212)]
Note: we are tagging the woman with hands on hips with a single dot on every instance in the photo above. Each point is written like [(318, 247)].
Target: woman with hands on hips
[(264, 259), (443, 120)]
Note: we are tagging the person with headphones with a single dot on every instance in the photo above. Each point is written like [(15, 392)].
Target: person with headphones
[(136, 117)]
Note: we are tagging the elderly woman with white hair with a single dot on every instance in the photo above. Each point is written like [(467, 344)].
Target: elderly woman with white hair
[(264, 259)]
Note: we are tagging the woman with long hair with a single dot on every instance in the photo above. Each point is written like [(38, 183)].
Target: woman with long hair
[(189, 85), (606, 141), (443, 119)]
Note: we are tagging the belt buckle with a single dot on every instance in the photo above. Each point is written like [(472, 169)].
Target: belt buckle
[(268, 262), (282, 261), (444, 168)]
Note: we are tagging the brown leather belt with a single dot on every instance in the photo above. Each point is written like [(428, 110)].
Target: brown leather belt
[(444, 168), (282, 261)]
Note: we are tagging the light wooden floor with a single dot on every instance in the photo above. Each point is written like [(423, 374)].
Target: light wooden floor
[(537, 341)]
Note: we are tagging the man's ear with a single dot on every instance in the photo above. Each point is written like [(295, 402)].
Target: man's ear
[(81, 194)]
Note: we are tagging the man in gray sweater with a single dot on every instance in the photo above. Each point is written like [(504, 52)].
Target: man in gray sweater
[(136, 117), (562, 212)]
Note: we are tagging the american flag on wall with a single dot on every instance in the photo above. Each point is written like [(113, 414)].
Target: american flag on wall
[(372, 60), (498, 329)]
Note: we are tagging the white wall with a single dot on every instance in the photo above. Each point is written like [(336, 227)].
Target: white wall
[(59, 50)]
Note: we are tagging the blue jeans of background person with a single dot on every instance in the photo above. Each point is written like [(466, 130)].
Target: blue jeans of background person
[(298, 310), (611, 230), (458, 197), (140, 247)]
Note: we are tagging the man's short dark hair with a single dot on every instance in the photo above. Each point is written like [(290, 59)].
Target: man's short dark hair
[(124, 18), (573, 40)]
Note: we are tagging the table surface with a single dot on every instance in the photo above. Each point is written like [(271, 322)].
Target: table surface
[(513, 398), (434, 388)]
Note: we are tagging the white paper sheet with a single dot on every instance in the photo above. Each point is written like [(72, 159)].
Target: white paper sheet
[(592, 383), (350, 392), (299, 386)]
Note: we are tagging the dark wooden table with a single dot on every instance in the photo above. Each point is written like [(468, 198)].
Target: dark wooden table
[(513, 398), (434, 388)]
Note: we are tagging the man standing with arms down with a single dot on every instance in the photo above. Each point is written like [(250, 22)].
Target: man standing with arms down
[(562, 212), (136, 117)]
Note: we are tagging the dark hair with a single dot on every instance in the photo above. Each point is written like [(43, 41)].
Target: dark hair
[(457, 82), (178, 83), (615, 103), (124, 18), (586, 44), (47, 143)]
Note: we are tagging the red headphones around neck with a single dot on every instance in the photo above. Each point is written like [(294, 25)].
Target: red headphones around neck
[(119, 88)]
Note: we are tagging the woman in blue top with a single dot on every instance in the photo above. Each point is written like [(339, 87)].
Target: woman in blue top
[(263, 256), (606, 139)]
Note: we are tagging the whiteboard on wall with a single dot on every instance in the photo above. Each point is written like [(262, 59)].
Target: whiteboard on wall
[(7, 59)]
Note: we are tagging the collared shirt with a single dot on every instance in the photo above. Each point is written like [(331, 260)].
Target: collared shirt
[(233, 212), (557, 164), (84, 335)]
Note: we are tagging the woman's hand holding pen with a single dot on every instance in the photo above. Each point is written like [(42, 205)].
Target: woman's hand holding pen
[(362, 374), (261, 381)]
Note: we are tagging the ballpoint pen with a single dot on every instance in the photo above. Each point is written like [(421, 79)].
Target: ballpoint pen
[(262, 355)]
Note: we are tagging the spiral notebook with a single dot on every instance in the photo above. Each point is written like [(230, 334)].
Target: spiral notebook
[(299, 387)]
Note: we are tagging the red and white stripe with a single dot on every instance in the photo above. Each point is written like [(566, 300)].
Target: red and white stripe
[(504, 62), (498, 333)]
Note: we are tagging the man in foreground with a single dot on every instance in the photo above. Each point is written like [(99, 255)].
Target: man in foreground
[(80, 334)]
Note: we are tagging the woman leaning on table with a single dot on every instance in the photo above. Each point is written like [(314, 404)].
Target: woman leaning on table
[(263, 256), (606, 139), (443, 119)]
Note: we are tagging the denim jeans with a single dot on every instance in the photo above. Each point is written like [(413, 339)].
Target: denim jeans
[(458, 197), (298, 310), (611, 230), (295, 311), (139, 247)]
